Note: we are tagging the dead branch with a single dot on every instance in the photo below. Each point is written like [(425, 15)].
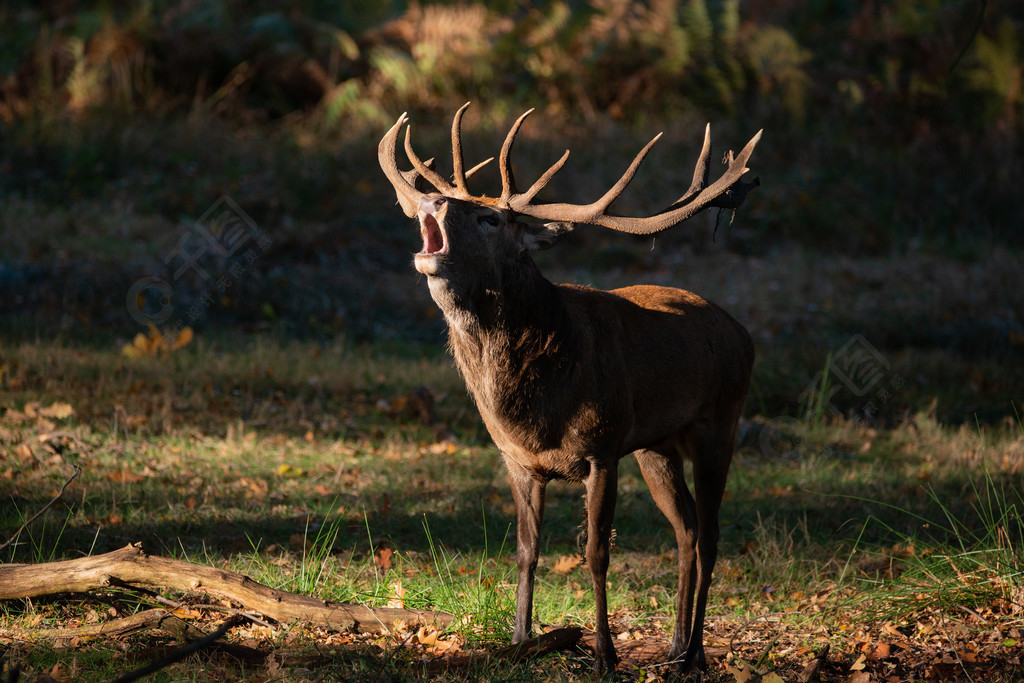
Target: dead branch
[(131, 565), (151, 619), (174, 604), (556, 639), (812, 671), (181, 652)]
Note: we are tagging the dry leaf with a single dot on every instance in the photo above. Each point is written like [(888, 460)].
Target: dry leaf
[(742, 673), (876, 650), (57, 411), (155, 341), (24, 452), (183, 339), (566, 563), (122, 476), (397, 598), (382, 559), (186, 613), (425, 637)]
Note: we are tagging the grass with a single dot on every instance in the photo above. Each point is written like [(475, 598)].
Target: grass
[(844, 529)]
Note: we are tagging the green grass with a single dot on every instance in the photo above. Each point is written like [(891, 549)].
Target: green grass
[(302, 496)]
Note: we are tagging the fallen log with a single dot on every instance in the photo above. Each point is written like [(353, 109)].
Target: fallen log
[(131, 565)]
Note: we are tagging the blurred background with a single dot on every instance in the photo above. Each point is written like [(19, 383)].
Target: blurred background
[(207, 168)]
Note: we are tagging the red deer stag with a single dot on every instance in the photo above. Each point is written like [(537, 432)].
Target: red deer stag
[(568, 379)]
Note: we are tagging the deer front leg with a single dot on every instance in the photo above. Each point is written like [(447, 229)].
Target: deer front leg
[(601, 491), (528, 493)]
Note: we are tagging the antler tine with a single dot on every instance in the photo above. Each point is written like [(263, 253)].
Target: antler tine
[(470, 172), (700, 171), (508, 181), (432, 176), (574, 212), (610, 196), (728, 192), (457, 174), (526, 197), (408, 196)]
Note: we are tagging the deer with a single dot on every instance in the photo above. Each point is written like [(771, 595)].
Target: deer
[(568, 380)]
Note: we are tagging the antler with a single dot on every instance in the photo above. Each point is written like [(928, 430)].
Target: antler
[(728, 192), (404, 182)]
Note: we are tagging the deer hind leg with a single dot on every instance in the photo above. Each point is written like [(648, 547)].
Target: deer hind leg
[(663, 472), (712, 456)]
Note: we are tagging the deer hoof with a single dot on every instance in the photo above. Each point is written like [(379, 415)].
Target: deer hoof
[(604, 664)]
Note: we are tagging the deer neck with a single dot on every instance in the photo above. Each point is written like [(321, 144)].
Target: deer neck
[(496, 332)]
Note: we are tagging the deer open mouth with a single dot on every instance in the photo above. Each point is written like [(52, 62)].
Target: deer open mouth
[(434, 238)]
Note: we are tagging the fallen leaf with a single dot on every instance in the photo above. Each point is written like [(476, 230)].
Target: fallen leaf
[(566, 563), (742, 673), (397, 598), (875, 651), (57, 411), (382, 559), (24, 452), (427, 637), (122, 476), (183, 339), (186, 613)]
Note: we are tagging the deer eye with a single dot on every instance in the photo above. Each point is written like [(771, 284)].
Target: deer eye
[(490, 219)]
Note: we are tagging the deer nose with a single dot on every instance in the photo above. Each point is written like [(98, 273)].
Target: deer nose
[(432, 205)]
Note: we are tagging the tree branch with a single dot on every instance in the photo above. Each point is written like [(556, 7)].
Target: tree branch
[(131, 565)]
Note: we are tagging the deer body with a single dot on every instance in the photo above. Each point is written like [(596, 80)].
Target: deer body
[(569, 379)]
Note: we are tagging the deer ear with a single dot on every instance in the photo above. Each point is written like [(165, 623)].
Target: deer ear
[(537, 237)]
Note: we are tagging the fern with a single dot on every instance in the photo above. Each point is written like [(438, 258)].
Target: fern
[(999, 70)]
